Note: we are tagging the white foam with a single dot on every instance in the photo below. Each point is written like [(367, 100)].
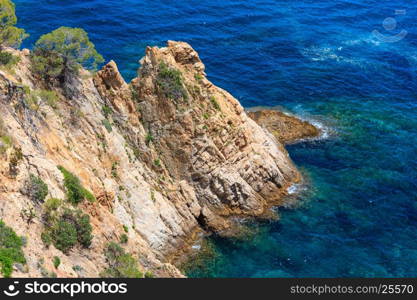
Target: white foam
[(296, 188), (196, 247)]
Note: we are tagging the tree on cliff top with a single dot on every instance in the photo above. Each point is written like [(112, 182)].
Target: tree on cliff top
[(62, 50), (10, 36)]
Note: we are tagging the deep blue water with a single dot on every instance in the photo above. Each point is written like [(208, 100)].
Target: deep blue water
[(315, 58)]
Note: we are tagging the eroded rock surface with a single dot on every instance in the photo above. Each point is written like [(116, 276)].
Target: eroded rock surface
[(287, 129), (167, 156)]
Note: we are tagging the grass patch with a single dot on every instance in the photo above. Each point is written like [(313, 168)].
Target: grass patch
[(33, 99)]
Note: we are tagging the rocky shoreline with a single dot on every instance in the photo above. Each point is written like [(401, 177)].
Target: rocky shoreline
[(167, 156), (286, 128)]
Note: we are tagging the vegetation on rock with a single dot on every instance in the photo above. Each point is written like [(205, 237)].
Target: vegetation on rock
[(124, 238), (66, 228), (35, 188), (215, 103), (170, 81), (8, 60), (56, 261), (10, 249), (75, 191), (121, 264)]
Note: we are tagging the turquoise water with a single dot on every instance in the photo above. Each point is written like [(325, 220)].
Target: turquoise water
[(319, 59)]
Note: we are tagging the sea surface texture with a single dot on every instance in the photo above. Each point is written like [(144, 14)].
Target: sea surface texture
[(349, 66)]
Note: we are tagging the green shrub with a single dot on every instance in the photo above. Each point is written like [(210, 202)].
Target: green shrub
[(5, 58), (75, 191), (47, 64), (170, 81), (56, 261), (124, 238), (28, 214), (50, 208), (36, 189), (10, 249), (46, 239), (198, 77), (82, 225), (121, 264), (125, 228), (107, 111), (8, 61), (215, 103), (72, 227), (107, 125), (17, 156), (149, 138), (149, 275), (52, 204), (114, 167), (157, 162), (64, 235)]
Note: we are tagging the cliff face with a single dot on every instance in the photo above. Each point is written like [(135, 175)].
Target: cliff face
[(167, 156)]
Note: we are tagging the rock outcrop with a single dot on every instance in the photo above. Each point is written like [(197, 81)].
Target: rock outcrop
[(287, 129), (167, 157)]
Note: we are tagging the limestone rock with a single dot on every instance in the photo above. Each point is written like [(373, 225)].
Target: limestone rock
[(287, 129), (168, 156)]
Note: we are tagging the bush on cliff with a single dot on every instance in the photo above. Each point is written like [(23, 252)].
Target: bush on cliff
[(75, 191), (47, 64), (10, 249), (64, 235), (10, 35), (64, 50), (6, 58), (170, 82), (35, 188), (121, 264), (68, 229)]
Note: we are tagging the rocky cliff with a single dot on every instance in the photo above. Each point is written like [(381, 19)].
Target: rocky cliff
[(167, 157)]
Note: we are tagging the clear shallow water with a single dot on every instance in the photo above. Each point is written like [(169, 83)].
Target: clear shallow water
[(318, 59)]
